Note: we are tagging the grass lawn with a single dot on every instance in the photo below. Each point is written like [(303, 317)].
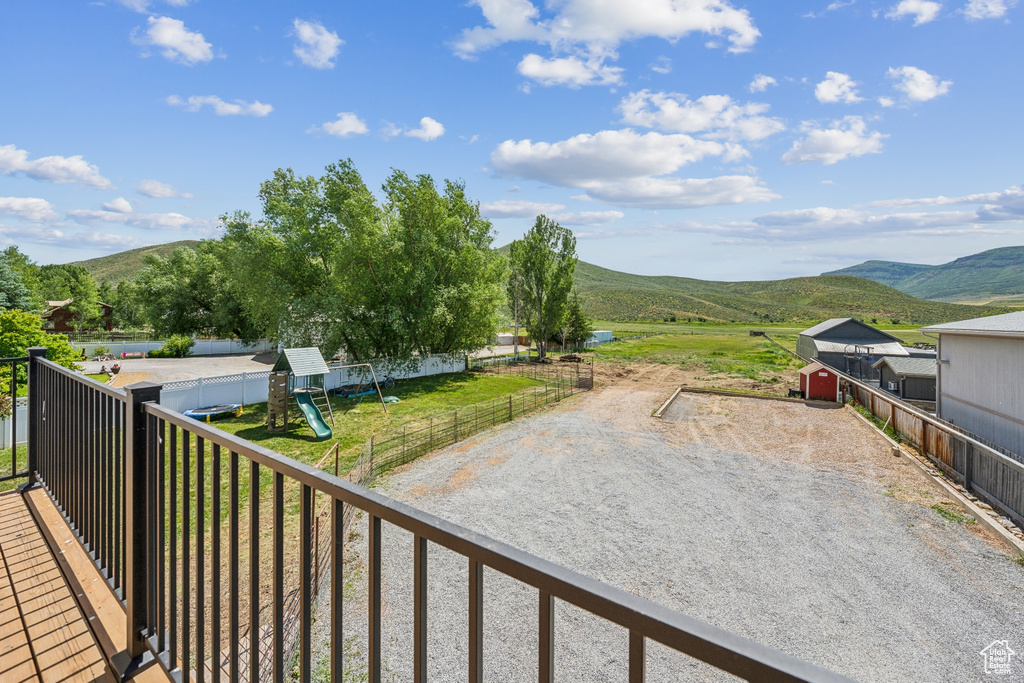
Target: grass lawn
[(421, 397), (734, 354)]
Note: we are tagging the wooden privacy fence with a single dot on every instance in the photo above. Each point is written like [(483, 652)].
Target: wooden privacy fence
[(995, 477)]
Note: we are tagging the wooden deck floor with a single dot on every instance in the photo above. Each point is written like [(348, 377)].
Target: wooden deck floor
[(43, 635)]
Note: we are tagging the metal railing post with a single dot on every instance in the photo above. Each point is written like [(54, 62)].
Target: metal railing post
[(136, 542), (35, 412)]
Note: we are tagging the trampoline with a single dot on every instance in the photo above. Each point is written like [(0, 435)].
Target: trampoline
[(211, 412)]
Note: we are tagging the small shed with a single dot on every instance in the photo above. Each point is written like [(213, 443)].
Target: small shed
[(819, 382), (909, 378), (848, 345)]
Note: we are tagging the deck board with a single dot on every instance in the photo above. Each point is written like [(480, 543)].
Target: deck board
[(63, 646)]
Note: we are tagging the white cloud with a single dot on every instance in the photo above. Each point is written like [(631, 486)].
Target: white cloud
[(587, 217), (923, 11), (158, 190), (145, 221), (345, 125), (571, 71), (143, 5), (662, 65), (119, 205), (28, 208), (518, 208), (317, 47), (846, 138), (718, 116), (1010, 199), (837, 87), (586, 33), (175, 42), (917, 84), (59, 238), (429, 130), (761, 83), (987, 9), (886, 101), (623, 167), (832, 7), (606, 155), (54, 169), (220, 107), (680, 193)]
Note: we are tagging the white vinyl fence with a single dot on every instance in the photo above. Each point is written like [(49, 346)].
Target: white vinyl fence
[(253, 387), (21, 409), (203, 347)]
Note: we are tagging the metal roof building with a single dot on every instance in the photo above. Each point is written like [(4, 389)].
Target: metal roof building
[(849, 345), (912, 379), (980, 375)]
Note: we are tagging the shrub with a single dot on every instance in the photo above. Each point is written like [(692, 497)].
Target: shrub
[(100, 351), (178, 346)]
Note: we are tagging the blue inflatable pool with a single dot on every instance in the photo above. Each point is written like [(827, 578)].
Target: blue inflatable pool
[(211, 412)]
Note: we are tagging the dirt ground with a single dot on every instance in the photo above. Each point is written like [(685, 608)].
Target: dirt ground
[(659, 376), (786, 523)]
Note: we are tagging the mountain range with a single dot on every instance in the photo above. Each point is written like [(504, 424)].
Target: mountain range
[(994, 276)]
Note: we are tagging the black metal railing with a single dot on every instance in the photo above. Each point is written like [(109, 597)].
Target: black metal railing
[(12, 374), (209, 521)]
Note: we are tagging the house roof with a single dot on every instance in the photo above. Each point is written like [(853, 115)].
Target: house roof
[(836, 322), (908, 367), (814, 367), (853, 347), (302, 362), (1008, 324)]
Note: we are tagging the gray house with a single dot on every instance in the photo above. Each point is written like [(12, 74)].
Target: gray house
[(849, 345), (980, 384), (912, 379)]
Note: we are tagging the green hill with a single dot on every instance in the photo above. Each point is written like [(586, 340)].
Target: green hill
[(991, 276), (612, 295), (125, 264)]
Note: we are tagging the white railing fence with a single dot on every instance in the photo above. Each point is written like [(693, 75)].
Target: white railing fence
[(21, 408), (253, 387)]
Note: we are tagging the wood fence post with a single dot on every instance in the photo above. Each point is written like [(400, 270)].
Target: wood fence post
[(968, 465)]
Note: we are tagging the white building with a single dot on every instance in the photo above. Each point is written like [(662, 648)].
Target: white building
[(980, 384)]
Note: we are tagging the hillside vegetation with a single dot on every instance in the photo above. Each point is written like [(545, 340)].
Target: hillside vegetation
[(611, 295), (126, 264), (994, 275)]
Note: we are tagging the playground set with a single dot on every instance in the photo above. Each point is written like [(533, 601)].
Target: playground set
[(299, 376)]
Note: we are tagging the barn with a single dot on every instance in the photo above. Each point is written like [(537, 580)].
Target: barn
[(819, 382), (912, 379), (980, 375), (848, 345)]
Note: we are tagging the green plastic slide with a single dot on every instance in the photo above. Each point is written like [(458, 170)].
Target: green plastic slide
[(313, 416)]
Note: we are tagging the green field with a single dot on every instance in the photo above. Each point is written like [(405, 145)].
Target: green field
[(716, 353), (421, 397)]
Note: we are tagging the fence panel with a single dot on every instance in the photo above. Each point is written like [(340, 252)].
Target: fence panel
[(20, 420)]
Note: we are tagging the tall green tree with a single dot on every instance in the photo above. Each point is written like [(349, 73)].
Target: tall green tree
[(13, 292), (28, 271), (545, 259), (19, 331), (576, 327), (329, 265), (189, 293)]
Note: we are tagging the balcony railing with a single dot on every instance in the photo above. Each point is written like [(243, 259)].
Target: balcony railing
[(193, 528)]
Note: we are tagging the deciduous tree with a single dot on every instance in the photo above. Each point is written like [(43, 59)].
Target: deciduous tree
[(545, 259)]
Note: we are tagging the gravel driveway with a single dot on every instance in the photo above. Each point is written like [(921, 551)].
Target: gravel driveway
[(787, 524)]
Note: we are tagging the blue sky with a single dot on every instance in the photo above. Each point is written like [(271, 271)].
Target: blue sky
[(701, 138)]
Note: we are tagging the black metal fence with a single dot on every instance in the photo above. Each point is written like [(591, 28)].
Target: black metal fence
[(194, 527)]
